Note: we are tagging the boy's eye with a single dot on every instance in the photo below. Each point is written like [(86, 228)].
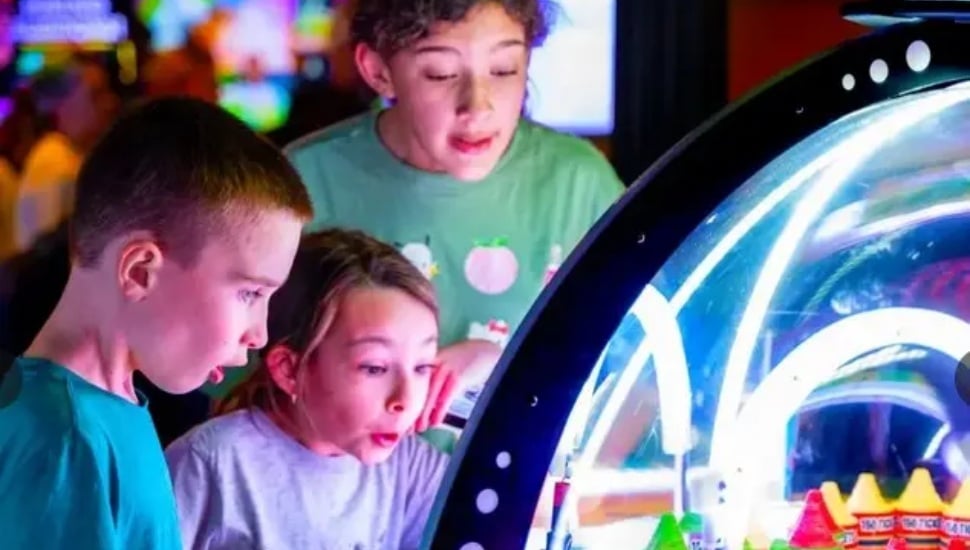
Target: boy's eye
[(250, 296), (505, 72), (373, 370)]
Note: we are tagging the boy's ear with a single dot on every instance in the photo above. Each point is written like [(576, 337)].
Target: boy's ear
[(140, 262), (374, 70), (281, 362)]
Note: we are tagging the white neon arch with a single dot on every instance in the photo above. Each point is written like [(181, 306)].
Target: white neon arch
[(690, 285), (754, 216), (854, 152), (659, 321), (767, 411), (894, 393), (686, 291), (700, 273), (933, 446)]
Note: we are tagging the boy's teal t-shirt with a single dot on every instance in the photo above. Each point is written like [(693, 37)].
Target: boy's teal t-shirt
[(488, 246), (79, 467)]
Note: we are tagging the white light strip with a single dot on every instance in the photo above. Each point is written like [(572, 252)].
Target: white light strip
[(934, 445), (852, 153), (659, 320), (763, 418), (657, 317), (889, 224), (628, 376), (586, 460), (575, 424), (737, 232), (893, 223), (743, 227), (907, 394), (885, 356), (954, 455)]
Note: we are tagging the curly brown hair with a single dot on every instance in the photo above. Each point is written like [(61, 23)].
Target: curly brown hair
[(389, 26)]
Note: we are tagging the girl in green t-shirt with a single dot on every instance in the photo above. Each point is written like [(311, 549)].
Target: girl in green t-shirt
[(486, 203)]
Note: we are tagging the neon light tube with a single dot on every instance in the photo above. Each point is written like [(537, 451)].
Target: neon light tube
[(756, 214), (894, 393), (659, 320), (657, 317), (700, 273), (934, 445), (853, 153)]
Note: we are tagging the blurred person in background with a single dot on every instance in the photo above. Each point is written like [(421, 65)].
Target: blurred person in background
[(76, 104), (18, 133), (187, 71)]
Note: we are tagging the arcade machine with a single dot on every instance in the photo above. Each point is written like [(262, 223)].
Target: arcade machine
[(759, 346)]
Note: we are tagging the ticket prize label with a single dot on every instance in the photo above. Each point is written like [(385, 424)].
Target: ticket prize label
[(876, 526), (955, 528), (919, 524)]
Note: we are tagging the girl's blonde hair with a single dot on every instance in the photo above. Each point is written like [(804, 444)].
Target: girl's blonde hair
[(328, 264)]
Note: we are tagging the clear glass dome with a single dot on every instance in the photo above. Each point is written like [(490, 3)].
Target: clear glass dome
[(808, 332)]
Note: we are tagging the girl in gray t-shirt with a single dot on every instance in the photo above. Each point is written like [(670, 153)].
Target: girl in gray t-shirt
[(315, 449)]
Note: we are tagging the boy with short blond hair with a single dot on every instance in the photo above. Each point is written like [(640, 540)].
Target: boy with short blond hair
[(184, 224)]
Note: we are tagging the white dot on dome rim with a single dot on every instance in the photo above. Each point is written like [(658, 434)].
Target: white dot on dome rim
[(918, 56), (503, 459), (471, 546), (487, 501), (848, 82), (879, 71)]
